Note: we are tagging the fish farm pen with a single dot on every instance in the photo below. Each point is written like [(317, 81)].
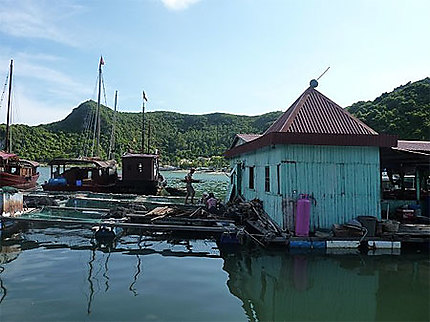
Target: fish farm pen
[(239, 223)]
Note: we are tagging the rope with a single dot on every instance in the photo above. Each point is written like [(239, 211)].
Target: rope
[(3, 94)]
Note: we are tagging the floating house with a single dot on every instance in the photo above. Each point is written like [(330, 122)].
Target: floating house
[(315, 149), (406, 178)]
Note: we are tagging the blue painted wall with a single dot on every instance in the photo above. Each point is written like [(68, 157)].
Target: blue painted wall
[(343, 180)]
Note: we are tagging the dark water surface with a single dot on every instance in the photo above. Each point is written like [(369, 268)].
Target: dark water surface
[(57, 274)]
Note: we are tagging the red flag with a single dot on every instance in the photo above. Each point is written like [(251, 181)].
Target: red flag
[(144, 96), (101, 60)]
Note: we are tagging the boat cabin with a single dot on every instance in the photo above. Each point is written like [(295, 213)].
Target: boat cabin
[(16, 172), (82, 174), (139, 167), (140, 174)]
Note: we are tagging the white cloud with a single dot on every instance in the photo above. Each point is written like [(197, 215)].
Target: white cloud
[(33, 111), (38, 19), (178, 4), (37, 86)]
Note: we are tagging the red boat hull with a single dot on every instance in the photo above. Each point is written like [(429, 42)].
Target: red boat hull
[(17, 181)]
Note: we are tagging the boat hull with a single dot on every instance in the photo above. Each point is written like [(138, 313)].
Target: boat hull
[(145, 187), (91, 188), (17, 181), (140, 188)]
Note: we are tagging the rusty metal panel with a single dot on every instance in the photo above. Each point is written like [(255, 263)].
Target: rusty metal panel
[(11, 203)]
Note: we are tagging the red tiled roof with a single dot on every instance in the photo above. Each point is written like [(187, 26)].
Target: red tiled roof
[(414, 145), (313, 112)]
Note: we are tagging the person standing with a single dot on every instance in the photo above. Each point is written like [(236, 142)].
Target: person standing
[(190, 190)]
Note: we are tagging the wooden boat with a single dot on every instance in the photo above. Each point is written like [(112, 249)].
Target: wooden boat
[(88, 173), (15, 172), (82, 174), (140, 174)]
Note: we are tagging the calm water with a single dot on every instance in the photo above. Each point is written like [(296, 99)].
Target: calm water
[(55, 274), (210, 182), (58, 274)]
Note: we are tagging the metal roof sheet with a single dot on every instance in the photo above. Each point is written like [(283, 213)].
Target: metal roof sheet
[(4, 155), (139, 155), (31, 163), (414, 145), (248, 137), (95, 161), (274, 138), (313, 112), (240, 139)]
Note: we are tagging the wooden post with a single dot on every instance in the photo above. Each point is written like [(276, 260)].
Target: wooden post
[(417, 184)]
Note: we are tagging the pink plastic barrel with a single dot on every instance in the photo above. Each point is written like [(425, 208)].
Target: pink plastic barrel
[(302, 216)]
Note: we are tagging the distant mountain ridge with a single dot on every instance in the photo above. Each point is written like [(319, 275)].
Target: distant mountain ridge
[(202, 139), (405, 111), (176, 136)]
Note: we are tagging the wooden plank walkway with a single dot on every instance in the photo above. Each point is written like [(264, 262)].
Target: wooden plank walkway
[(149, 227)]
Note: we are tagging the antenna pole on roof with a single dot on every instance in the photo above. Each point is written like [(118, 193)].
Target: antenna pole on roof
[(314, 82), (324, 73)]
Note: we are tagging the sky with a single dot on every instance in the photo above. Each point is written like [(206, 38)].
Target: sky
[(244, 57)]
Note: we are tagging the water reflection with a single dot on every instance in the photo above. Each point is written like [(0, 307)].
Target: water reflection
[(277, 286), (139, 262), (47, 268), (105, 248), (9, 251)]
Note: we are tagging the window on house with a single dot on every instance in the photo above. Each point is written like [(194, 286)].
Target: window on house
[(267, 179), (251, 177), (278, 178)]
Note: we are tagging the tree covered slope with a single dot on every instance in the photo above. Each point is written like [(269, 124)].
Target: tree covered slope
[(405, 112)]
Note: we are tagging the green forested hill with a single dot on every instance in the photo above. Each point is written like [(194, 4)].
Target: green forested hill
[(176, 136), (404, 111)]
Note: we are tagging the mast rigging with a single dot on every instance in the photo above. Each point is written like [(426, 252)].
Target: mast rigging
[(9, 102)]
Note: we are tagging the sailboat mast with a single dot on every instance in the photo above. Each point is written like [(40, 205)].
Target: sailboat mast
[(143, 121), (112, 136), (9, 103), (149, 135), (98, 108)]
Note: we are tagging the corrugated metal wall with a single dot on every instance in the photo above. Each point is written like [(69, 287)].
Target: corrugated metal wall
[(344, 180)]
